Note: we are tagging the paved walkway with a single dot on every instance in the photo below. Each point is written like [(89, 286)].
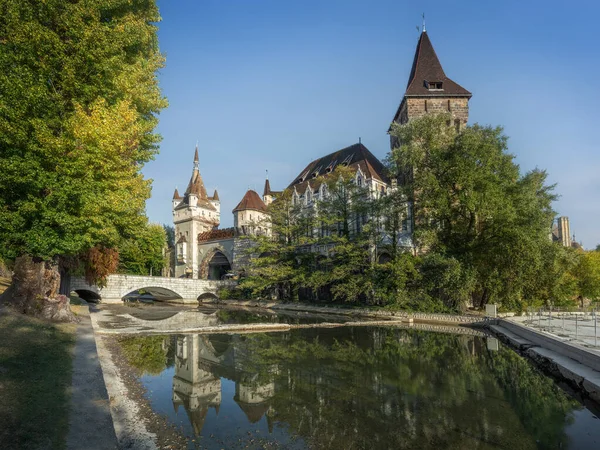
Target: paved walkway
[(578, 327), (90, 422)]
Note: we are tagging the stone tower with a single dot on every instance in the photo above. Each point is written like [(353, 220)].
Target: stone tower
[(430, 91), (564, 231), (194, 213), (251, 216)]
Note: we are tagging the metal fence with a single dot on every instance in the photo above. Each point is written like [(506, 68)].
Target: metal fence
[(576, 324)]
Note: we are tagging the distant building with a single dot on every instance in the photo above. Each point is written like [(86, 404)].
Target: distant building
[(561, 233)]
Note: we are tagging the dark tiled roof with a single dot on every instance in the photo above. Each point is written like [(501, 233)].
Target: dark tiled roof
[(215, 234), (267, 189), (251, 200), (355, 156), (215, 196), (176, 195), (426, 67)]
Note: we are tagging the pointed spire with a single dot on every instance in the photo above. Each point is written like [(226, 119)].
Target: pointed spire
[(424, 30), (267, 189), (176, 195), (196, 185), (426, 68), (215, 195)]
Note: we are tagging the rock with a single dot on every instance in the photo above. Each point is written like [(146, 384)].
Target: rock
[(58, 309)]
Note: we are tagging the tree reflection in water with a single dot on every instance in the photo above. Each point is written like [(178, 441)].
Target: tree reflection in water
[(371, 388)]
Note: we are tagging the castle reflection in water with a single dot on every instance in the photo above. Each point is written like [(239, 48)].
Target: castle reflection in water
[(363, 387), (200, 363)]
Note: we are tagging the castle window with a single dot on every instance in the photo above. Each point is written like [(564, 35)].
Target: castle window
[(346, 161), (434, 85)]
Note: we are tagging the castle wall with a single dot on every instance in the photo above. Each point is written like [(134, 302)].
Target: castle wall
[(251, 222), (413, 107)]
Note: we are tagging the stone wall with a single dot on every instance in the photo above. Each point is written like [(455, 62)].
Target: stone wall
[(413, 107), (241, 257)]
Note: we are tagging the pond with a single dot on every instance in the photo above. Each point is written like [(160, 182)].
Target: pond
[(355, 388)]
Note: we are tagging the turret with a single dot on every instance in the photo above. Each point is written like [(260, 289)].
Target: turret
[(250, 215), (267, 194), (176, 198)]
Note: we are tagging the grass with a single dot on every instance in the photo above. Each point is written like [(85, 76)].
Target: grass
[(35, 378)]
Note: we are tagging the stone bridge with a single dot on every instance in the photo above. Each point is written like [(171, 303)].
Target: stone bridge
[(176, 290)]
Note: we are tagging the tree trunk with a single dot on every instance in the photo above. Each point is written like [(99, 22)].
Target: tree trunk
[(34, 290)]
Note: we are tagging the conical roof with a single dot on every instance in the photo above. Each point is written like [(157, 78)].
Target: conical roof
[(215, 195), (426, 68), (176, 195), (196, 185), (251, 200), (267, 190)]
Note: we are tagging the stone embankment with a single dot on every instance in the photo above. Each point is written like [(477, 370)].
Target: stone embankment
[(359, 312), (568, 361)]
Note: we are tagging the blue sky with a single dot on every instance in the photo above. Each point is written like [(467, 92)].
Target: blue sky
[(265, 84)]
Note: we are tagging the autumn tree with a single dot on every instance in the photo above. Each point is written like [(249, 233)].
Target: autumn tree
[(78, 104)]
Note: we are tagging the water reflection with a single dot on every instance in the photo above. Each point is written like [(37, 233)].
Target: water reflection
[(360, 388)]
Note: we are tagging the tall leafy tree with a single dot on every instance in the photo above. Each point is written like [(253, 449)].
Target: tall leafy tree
[(274, 269), (472, 203), (78, 104)]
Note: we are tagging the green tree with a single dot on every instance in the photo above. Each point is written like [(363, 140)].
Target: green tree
[(274, 270), (144, 254), (471, 203), (587, 275), (78, 104), (170, 234)]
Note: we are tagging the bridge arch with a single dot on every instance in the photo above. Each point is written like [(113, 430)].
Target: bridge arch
[(208, 297), (159, 293), (87, 295)]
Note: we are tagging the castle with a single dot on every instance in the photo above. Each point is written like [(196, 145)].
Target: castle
[(205, 251)]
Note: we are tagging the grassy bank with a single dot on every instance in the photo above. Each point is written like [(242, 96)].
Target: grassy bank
[(35, 377)]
